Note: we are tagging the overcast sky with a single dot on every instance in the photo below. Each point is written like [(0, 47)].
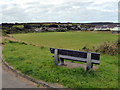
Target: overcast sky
[(59, 10)]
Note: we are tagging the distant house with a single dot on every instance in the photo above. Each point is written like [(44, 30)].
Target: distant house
[(91, 28), (38, 29), (52, 27), (112, 26), (83, 28), (116, 30), (101, 27), (105, 27)]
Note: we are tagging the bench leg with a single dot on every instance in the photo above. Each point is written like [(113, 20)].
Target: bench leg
[(89, 62), (91, 65), (56, 58), (88, 68), (62, 61)]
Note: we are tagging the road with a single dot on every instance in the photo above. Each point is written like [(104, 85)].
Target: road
[(9, 79)]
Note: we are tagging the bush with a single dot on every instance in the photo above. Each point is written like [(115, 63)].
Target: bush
[(108, 48), (85, 48), (105, 48)]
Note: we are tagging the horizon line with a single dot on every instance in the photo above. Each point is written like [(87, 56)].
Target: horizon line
[(65, 22)]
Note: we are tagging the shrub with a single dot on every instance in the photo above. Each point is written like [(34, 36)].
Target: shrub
[(108, 48), (85, 48), (105, 48)]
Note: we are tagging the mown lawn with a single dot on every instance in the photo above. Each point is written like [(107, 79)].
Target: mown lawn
[(68, 40), (38, 62)]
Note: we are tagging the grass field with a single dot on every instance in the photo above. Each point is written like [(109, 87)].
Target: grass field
[(38, 62), (68, 40)]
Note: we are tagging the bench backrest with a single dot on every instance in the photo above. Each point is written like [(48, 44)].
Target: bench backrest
[(74, 53)]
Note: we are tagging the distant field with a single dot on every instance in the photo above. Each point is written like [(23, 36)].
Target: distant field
[(19, 26), (38, 63), (69, 40)]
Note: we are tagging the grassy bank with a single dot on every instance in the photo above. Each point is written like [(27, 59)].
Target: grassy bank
[(38, 63)]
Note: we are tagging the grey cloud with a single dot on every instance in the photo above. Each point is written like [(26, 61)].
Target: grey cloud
[(36, 11), (16, 13)]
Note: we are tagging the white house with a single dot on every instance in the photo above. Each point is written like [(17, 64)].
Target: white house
[(105, 27), (116, 30)]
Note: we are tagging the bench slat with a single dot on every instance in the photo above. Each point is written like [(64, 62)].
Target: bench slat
[(80, 54), (78, 59)]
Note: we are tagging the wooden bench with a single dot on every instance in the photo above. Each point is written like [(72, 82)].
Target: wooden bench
[(88, 57)]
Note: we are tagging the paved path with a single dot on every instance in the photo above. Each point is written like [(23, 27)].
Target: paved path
[(10, 80)]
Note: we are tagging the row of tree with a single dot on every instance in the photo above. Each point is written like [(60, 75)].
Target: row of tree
[(9, 28)]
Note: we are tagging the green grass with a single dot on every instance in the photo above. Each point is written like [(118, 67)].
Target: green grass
[(68, 40), (38, 62)]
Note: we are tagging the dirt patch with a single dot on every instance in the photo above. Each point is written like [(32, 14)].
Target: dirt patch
[(10, 38), (76, 65)]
